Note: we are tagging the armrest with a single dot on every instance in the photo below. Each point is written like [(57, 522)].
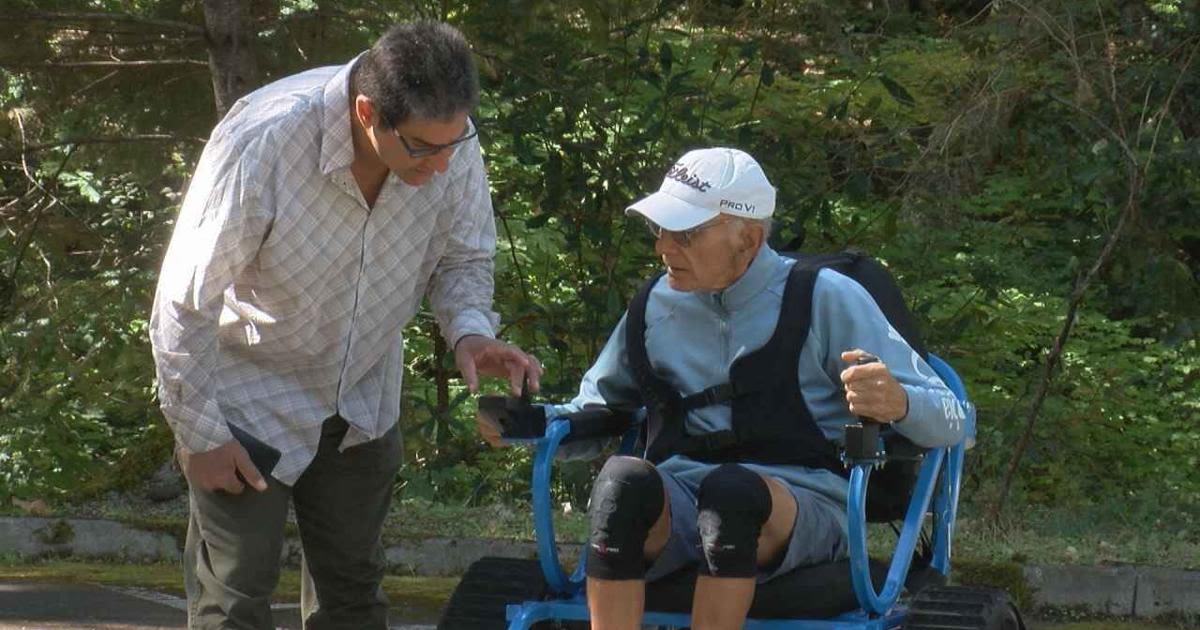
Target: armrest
[(521, 421), (596, 422)]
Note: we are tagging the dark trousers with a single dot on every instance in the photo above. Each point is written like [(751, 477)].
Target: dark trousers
[(234, 542)]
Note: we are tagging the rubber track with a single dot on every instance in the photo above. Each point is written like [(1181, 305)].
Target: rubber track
[(959, 608), (488, 586)]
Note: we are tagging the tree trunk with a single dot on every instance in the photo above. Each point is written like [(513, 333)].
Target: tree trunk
[(230, 51)]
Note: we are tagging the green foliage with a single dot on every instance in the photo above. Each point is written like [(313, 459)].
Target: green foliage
[(75, 392), (986, 158)]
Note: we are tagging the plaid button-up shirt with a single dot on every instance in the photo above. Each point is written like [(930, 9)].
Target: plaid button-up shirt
[(283, 295)]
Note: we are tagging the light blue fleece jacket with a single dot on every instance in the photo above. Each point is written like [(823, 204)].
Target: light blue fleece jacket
[(694, 337)]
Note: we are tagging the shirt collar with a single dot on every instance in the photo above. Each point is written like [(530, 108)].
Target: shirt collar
[(337, 144), (753, 281)]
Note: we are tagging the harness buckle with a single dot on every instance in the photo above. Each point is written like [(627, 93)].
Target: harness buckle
[(718, 394)]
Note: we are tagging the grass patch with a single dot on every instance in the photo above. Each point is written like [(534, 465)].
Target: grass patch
[(421, 519), (167, 578), (409, 518), (428, 593), (172, 526), (1137, 531), (1079, 536)]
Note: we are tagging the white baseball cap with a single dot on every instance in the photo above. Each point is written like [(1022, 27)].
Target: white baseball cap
[(705, 183)]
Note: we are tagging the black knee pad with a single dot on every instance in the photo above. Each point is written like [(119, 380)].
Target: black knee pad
[(734, 504), (627, 499)]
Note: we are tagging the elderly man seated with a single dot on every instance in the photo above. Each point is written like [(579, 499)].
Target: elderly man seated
[(746, 402)]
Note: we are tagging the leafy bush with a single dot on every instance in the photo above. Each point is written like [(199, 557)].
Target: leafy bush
[(987, 159)]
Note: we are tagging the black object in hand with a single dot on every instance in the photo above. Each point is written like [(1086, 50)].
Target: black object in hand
[(862, 439), (866, 358), (517, 417), (262, 455)]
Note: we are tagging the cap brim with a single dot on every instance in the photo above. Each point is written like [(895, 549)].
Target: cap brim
[(671, 212)]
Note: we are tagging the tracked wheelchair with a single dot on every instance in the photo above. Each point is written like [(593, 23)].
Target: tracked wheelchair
[(914, 489), (858, 593)]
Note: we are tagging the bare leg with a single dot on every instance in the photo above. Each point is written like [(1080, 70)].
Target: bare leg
[(722, 603), (618, 604)]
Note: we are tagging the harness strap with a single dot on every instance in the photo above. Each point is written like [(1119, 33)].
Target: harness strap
[(714, 395)]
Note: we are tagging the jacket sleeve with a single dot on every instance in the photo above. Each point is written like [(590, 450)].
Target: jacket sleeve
[(609, 382), (845, 316), (460, 289)]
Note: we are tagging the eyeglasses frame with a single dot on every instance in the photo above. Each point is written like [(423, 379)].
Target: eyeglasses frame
[(434, 149), (682, 238)]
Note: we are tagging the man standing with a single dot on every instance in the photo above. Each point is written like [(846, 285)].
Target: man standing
[(324, 207)]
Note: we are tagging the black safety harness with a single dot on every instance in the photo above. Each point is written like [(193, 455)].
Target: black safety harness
[(771, 423)]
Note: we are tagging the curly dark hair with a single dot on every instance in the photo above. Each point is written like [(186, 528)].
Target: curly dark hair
[(422, 69)]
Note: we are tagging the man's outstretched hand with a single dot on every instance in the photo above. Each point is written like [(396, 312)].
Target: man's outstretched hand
[(476, 354)]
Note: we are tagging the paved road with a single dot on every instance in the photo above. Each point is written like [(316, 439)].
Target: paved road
[(40, 606), (37, 606)]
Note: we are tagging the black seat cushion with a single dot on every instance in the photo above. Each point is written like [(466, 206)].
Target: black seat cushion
[(818, 591)]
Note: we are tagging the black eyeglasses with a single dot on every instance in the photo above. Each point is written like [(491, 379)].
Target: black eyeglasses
[(426, 150), (682, 238)]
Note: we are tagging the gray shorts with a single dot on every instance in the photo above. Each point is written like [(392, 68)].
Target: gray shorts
[(817, 537)]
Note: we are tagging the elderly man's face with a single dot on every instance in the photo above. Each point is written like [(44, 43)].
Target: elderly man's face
[(712, 259)]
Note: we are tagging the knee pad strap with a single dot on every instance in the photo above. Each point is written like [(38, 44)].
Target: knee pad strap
[(734, 503), (627, 499)]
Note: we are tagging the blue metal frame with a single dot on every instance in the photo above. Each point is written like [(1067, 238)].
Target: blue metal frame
[(934, 493), (523, 616), (543, 522)]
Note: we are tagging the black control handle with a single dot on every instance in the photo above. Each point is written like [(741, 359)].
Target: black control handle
[(862, 439), (866, 359)]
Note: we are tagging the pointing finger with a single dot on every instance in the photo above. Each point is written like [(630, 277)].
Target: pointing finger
[(535, 374), (516, 376), (468, 373)]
